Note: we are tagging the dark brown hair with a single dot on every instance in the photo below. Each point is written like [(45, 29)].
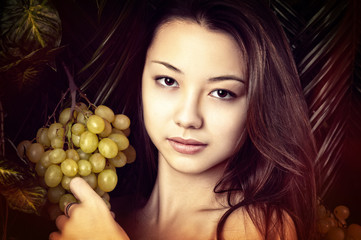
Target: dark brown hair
[(274, 168)]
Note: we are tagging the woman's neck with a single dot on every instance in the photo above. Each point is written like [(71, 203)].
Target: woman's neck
[(178, 194)]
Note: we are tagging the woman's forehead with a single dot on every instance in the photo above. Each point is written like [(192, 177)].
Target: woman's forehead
[(188, 45)]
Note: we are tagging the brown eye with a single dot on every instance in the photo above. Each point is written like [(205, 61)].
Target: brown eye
[(223, 94), (167, 82)]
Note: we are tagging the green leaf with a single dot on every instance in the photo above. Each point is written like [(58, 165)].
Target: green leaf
[(25, 71), (12, 173), (29, 199), (27, 25), (325, 50)]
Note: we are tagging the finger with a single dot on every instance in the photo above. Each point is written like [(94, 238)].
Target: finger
[(54, 236), (60, 221), (81, 190), (68, 208)]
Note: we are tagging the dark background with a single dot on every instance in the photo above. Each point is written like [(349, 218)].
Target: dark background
[(27, 111)]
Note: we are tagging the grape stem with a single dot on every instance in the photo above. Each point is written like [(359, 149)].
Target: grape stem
[(85, 97), (72, 86), (56, 108), (73, 89)]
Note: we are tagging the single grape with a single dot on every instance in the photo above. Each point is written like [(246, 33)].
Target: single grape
[(107, 203), (99, 191), (65, 116), (69, 167), (126, 132), (88, 142), (65, 200), (45, 160), (91, 179), (121, 121), (53, 175), (83, 155), (107, 180), (332, 221), (118, 161), (83, 116), (42, 137), (22, 146), (80, 106), (342, 213), (54, 193), (40, 169), (106, 196), (121, 140), (34, 152), (65, 182), (78, 128), (84, 167), (335, 233), (76, 140), (95, 124), (321, 211), (57, 155), (56, 130), (108, 148), (72, 154), (130, 153), (105, 112), (116, 130), (57, 142), (107, 129), (97, 162), (354, 231)]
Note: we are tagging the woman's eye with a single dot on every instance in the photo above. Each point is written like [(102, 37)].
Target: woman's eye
[(223, 94), (167, 82)]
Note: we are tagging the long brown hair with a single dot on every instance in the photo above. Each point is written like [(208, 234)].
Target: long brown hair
[(274, 169)]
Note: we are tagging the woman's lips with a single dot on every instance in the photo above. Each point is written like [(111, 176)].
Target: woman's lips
[(186, 146)]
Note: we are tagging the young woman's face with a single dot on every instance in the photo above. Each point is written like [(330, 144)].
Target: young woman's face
[(194, 96)]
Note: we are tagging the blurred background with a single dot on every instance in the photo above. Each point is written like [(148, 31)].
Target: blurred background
[(39, 37)]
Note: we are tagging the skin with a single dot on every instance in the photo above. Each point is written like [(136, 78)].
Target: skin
[(193, 87)]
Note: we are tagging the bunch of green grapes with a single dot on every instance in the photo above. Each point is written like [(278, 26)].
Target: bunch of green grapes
[(333, 225), (82, 143)]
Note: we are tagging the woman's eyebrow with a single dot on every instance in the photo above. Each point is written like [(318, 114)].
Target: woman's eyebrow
[(219, 78), (228, 77), (169, 66)]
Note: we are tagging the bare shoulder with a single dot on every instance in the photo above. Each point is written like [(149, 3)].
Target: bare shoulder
[(240, 225), (289, 227)]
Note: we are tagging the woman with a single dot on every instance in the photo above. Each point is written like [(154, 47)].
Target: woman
[(224, 146)]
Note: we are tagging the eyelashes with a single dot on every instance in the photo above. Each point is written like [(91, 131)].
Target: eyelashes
[(168, 82), (223, 94)]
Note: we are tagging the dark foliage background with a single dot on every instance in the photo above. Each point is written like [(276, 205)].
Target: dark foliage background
[(325, 39)]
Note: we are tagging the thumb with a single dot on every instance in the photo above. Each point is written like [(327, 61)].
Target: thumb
[(82, 191)]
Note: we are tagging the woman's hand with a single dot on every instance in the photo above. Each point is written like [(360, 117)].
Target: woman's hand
[(90, 219)]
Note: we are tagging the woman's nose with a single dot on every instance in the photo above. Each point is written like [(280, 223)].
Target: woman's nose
[(188, 112)]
